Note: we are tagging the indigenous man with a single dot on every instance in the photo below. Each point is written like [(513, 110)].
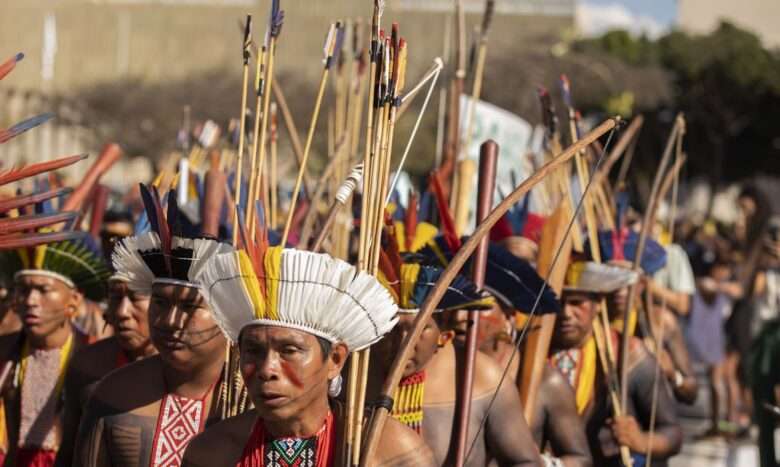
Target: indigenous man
[(431, 376), (127, 314), (145, 413), (295, 315), (574, 352), (618, 248), (555, 423), (50, 283)]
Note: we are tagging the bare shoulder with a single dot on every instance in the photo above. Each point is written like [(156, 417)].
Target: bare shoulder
[(142, 380), (402, 446), (553, 380), (488, 374), (221, 443)]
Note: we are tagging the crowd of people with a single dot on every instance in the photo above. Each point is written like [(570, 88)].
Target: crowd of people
[(182, 324)]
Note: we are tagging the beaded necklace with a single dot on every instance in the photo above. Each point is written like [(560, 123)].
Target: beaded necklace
[(408, 401)]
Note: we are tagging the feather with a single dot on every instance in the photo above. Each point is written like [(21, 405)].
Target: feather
[(12, 175), (130, 262), (447, 223), (9, 64), (316, 293), (26, 200), (34, 222), (25, 125), (13, 242), (276, 19), (149, 209)]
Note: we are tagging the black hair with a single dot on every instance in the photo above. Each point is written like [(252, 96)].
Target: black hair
[(325, 346)]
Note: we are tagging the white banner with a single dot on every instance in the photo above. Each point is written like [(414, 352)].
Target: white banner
[(518, 143)]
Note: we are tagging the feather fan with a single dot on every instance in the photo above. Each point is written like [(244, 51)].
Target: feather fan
[(9, 64)]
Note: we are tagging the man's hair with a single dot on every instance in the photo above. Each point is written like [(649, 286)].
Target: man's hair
[(325, 346)]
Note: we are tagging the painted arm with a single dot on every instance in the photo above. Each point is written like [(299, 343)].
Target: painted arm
[(563, 427), (508, 438), (90, 448), (667, 436), (687, 389)]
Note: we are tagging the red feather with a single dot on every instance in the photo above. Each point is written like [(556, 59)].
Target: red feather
[(9, 64), (12, 175), (19, 201), (33, 222), (447, 223)]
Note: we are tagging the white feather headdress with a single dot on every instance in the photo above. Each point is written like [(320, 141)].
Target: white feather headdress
[(598, 278), (307, 291), (141, 261)]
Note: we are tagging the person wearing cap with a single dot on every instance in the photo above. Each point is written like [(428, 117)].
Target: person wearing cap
[(50, 282), (574, 353), (146, 412), (428, 394), (556, 425), (127, 314), (295, 316)]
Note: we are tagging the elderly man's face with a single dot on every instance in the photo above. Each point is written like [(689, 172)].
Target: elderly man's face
[(575, 321), (285, 370), (44, 304), (182, 327), (128, 314)]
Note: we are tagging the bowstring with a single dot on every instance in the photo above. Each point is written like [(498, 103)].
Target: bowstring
[(659, 334), (538, 300)]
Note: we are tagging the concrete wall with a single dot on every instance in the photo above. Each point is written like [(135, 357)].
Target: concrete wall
[(104, 40), (760, 16)]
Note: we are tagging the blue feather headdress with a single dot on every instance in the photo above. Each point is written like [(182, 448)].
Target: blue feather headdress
[(512, 280)]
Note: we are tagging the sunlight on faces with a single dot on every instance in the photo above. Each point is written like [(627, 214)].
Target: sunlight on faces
[(44, 304), (182, 327), (424, 351), (286, 370), (575, 321), (492, 323), (127, 313)]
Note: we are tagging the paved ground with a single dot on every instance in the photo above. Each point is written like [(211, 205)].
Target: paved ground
[(713, 452)]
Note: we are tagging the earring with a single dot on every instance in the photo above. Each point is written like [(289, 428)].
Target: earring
[(445, 337), (334, 386)]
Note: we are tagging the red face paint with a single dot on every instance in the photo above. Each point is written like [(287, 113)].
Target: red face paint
[(290, 373), (248, 371)]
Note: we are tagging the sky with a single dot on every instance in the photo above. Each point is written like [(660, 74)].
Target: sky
[(653, 17)]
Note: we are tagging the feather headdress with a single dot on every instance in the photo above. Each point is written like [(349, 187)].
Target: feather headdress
[(510, 279), (410, 283), (76, 261), (597, 278), (412, 233), (310, 292), (164, 254), (621, 245)]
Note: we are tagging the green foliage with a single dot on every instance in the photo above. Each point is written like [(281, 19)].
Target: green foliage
[(727, 85)]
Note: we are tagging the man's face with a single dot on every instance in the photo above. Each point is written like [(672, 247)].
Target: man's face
[(575, 322), (182, 327), (424, 351), (285, 370), (44, 304), (127, 314), (492, 323)]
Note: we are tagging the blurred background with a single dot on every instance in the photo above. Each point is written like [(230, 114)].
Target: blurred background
[(123, 70)]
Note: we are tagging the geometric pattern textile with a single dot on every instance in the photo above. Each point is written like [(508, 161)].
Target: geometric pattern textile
[(291, 452), (179, 421)]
